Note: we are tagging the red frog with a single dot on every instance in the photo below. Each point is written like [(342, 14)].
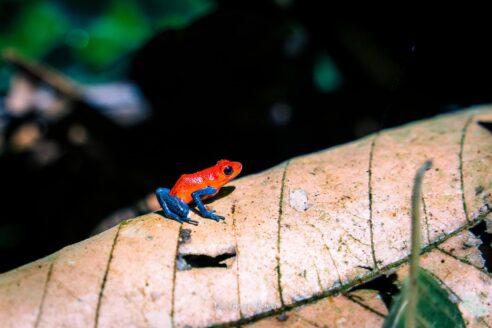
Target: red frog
[(196, 187)]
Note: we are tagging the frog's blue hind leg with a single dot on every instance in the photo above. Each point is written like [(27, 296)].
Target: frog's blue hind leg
[(198, 201), (173, 207)]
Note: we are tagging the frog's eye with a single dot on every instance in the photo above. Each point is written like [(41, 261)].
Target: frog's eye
[(228, 170)]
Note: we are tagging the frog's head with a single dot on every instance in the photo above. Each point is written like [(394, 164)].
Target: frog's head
[(228, 170)]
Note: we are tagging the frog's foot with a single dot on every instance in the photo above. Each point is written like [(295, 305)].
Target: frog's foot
[(199, 203), (173, 207), (211, 215)]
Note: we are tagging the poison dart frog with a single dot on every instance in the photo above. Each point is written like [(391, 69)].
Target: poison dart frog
[(195, 188)]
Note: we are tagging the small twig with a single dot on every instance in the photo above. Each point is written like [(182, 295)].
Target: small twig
[(44, 73)]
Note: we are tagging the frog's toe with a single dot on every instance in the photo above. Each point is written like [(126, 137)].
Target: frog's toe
[(190, 221), (217, 217)]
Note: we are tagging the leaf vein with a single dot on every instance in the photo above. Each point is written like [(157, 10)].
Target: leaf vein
[(105, 277), (45, 289)]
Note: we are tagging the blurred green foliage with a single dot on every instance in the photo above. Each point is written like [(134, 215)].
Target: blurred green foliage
[(36, 29), (88, 38), (327, 77), (122, 28)]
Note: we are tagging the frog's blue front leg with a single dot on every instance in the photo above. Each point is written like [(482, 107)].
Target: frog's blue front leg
[(173, 207), (203, 210)]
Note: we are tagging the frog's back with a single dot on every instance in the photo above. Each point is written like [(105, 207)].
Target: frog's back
[(186, 185)]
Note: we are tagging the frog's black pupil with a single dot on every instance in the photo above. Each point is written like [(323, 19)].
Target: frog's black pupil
[(228, 170)]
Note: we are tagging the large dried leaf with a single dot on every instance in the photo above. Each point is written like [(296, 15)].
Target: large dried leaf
[(294, 238)]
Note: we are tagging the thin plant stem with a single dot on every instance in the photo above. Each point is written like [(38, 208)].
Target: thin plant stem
[(415, 242)]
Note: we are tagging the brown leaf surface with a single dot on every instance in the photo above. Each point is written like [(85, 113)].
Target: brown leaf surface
[(335, 311), (296, 239)]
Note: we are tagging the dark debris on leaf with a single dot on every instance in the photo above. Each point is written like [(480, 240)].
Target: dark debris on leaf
[(184, 236), (282, 317)]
